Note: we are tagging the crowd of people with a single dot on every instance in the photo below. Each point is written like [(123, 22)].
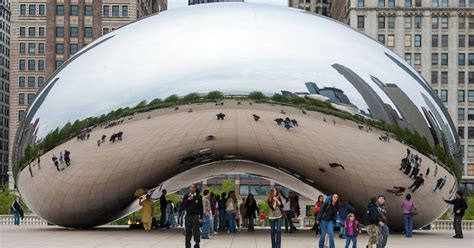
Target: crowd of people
[(287, 123), (113, 138), (64, 158)]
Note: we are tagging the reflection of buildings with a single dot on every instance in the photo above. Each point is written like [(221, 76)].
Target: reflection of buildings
[(334, 94), (193, 2), (4, 91), (314, 6)]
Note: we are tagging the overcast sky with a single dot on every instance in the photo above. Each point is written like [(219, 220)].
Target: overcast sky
[(172, 4)]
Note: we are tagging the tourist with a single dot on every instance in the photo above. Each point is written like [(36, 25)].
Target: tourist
[(372, 220), (438, 183), (61, 158), (383, 224), (351, 229), (180, 213), (17, 211), (443, 183), (344, 209), (220, 116), (263, 219), (251, 212), (287, 125), (327, 218), (67, 157), (459, 207), (222, 214), (243, 213), (231, 211), (275, 216), (98, 142), (163, 205), (192, 203), (407, 208), (215, 211), (316, 209), (256, 117), (55, 162), (288, 212), (417, 183), (39, 162), (103, 138), (147, 212), (170, 214), (397, 190), (206, 203)]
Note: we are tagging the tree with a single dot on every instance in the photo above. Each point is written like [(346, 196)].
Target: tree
[(172, 98), (140, 104), (191, 97), (228, 185), (155, 101), (297, 100), (214, 95), (279, 98), (256, 95)]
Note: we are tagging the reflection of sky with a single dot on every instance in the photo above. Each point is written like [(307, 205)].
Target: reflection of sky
[(227, 47)]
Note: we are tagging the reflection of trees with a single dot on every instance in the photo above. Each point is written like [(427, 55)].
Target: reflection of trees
[(61, 135)]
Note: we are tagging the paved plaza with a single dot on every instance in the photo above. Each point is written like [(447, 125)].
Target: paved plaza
[(107, 236)]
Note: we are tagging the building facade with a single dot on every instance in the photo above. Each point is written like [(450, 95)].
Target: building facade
[(193, 2), (5, 87), (321, 7), (45, 33), (437, 38)]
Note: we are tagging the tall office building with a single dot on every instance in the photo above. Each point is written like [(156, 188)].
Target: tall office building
[(5, 87), (45, 33), (314, 6), (437, 38)]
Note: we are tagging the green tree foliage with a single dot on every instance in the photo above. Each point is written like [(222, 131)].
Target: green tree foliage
[(297, 100), (6, 200), (172, 98), (256, 95), (140, 104), (191, 97), (280, 98), (155, 101), (214, 95)]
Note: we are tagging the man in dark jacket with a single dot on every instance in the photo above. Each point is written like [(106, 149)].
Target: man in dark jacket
[(459, 207), (163, 205), (372, 219), (192, 203), (419, 180), (383, 223)]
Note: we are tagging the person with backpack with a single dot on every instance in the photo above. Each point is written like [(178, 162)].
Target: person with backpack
[(383, 223), (327, 218), (372, 219), (459, 207), (408, 212), (316, 209), (351, 229)]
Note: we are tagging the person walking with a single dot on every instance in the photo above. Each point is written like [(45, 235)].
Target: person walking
[(459, 207), (243, 213), (344, 209), (192, 203), (180, 213), (372, 219), (163, 205), (316, 209), (214, 211), (417, 183), (407, 208), (147, 212), (275, 216), (17, 211), (231, 211), (383, 224), (288, 212), (326, 219), (351, 227), (222, 214), (170, 214), (55, 162), (252, 212), (206, 206)]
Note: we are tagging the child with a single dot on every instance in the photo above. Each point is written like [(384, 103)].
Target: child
[(351, 226), (262, 219)]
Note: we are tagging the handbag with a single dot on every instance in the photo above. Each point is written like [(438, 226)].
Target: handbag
[(413, 210)]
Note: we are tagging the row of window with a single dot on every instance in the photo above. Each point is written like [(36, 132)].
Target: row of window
[(107, 30), (436, 22), (74, 10), (444, 59), (74, 32), (32, 31), (418, 3), (444, 77), (106, 10), (32, 48), (32, 10), (33, 65), (462, 59), (417, 41), (462, 115), (30, 81), (73, 48), (5, 26), (391, 40), (30, 97)]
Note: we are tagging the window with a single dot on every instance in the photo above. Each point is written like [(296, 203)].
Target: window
[(444, 3), (444, 77), (444, 41), (360, 21), (417, 21), (434, 22), (21, 98), (470, 132), (58, 64), (42, 10), (470, 95), (390, 40), (115, 10), (461, 132), (105, 10), (31, 65), (408, 58), (73, 32), (434, 59), (417, 3), (21, 82), (31, 47), (41, 31), (461, 114), (381, 38), (462, 41), (88, 32), (408, 40), (417, 60), (444, 95), (360, 3), (444, 22), (462, 3), (73, 48), (124, 10), (461, 76), (60, 10), (40, 65), (471, 3), (105, 31), (59, 48), (470, 41), (22, 47), (41, 48), (31, 98), (444, 59), (434, 40), (470, 59), (40, 82), (407, 3), (434, 3), (32, 31), (31, 82), (22, 31), (461, 22), (21, 65), (59, 31), (471, 22), (381, 22), (32, 9), (407, 21), (470, 77), (22, 9), (381, 3), (88, 10), (391, 22), (391, 3), (417, 40), (461, 59), (460, 95), (74, 10), (21, 115), (470, 151), (434, 77)]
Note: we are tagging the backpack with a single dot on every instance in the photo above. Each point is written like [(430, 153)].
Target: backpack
[(371, 216)]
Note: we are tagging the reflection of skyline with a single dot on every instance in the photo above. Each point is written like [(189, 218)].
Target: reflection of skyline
[(334, 94)]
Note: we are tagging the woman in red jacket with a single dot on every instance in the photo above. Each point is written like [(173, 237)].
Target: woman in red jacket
[(317, 207)]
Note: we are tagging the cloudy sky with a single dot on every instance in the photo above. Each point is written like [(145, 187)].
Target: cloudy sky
[(172, 4)]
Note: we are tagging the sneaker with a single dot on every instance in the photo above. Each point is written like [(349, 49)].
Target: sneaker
[(215, 233), (204, 237)]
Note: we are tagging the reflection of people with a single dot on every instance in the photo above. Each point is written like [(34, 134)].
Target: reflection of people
[(192, 203), (147, 212), (55, 161), (459, 206)]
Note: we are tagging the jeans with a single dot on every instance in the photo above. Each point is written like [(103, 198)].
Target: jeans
[(350, 238), (289, 221), (222, 214), (327, 227), (384, 231), (216, 220), (231, 218), (170, 219), (180, 218), (206, 225), (408, 225), (16, 217), (275, 232), (211, 223)]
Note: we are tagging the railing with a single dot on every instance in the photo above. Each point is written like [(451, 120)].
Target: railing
[(467, 225), (27, 220)]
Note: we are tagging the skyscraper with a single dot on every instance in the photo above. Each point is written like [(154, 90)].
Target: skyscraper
[(5, 87)]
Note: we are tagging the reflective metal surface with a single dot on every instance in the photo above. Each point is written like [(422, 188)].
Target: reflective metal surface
[(235, 48)]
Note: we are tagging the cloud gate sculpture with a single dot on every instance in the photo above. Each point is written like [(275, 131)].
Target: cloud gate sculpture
[(226, 88)]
